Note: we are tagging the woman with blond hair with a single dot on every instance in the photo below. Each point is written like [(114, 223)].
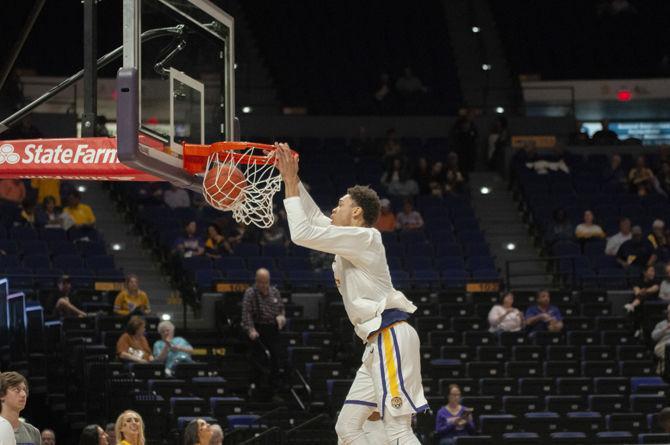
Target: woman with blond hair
[(129, 429)]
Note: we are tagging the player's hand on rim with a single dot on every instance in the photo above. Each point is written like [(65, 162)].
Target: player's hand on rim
[(287, 162)]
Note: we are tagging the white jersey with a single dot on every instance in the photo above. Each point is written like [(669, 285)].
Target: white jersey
[(6, 432), (361, 271)]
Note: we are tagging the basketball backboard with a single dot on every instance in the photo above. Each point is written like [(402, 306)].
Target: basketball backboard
[(176, 84)]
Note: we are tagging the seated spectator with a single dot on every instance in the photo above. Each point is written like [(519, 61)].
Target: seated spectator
[(641, 178), (190, 244), (397, 181), (504, 317), (409, 219), (658, 240), (588, 229), (661, 336), (637, 252), (386, 221), (171, 350), (438, 179), (455, 179), (47, 187), (422, 176), (93, 435), (242, 233), (579, 136), (12, 191), (614, 174), (275, 234), (645, 288), (543, 316), (81, 214), (176, 197), (65, 307), (198, 432), (453, 420), (29, 215), (133, 346), (217, 435), (561, 229), (216, 244), (605, 136), (615, 241), (132, 300), (53, 218), (664, 287)]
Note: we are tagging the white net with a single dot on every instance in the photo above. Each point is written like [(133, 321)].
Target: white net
[(248, 196)]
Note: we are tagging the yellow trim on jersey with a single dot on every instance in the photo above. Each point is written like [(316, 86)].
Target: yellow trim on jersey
[(391, 370)]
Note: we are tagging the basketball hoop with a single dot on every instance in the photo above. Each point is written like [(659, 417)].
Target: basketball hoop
[(239, 177)]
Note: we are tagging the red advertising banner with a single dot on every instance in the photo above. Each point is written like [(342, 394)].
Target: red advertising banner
[(91, 159)]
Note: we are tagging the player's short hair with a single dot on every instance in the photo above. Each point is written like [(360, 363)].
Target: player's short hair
[(368, 200), (11, 379)]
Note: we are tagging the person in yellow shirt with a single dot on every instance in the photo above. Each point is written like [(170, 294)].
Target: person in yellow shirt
[(81, 214), (131, 299), (47, 187)]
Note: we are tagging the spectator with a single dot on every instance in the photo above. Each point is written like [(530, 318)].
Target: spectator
[(409, 219), (561, 228), (111, 434), (93, 435), (422, 176), (12, 191), (48, 437), (81, 214), (661, 336), (464, 136), (65, 307), (45, 188), (191, 244), (504, 317), (131, 299), (614, 174), (605, 136), (176, 197), (392, 147), (13, 398), (263, 316), (386, 221), (453, 420), (641, 178), (637, 252), (499, 141), (455, 179), (171, 350), (645, 288), (217, 435), (664, 420), (588, 230), (614, 242), (543, 316), (129, 429), (216, 244), (657, 236), (54, 219), (275, 234), (397, 181), (198, 432), (132, 346), (29, 216), (438, 179), (408, 84), (664, 287)]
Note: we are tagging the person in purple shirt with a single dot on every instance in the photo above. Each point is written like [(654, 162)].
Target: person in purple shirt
[(543, 316), (453, 419), (190, 244)]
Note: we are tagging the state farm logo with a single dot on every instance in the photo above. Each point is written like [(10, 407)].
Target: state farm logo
[(64, 154), (7, 154)]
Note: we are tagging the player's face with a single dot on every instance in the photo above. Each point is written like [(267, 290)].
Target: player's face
[(341, 215), (16, 397)]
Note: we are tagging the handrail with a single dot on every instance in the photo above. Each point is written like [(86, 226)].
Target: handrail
[(307, 423), (101, 63)]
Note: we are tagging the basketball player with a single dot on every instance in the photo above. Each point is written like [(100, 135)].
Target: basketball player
[(389, 379)]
